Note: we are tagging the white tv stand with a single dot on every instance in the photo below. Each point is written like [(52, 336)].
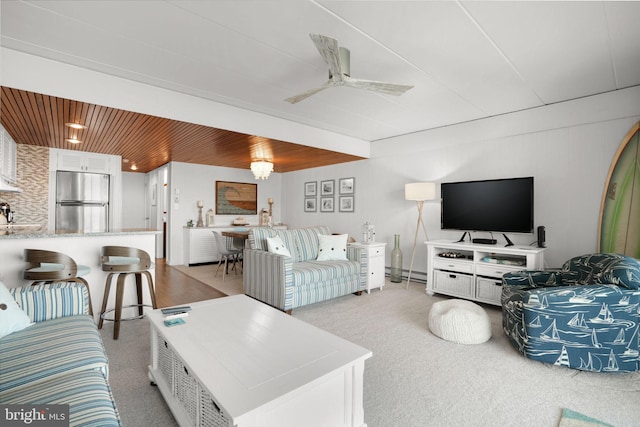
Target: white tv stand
[(478, 274)]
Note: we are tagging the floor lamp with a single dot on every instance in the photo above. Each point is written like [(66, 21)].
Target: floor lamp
[(418, 191)]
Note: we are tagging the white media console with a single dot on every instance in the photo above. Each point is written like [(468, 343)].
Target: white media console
[(474, 271)]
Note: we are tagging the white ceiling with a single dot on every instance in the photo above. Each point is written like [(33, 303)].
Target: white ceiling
[(467, 60)]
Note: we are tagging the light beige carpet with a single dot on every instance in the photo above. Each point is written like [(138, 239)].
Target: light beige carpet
[(413, 379), (232, 284)]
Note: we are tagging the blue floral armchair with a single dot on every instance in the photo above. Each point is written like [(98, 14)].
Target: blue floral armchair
[(585, 316)]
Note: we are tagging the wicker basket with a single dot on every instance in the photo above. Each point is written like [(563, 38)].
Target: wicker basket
[(210, 413), (165, 361), (186, 390)]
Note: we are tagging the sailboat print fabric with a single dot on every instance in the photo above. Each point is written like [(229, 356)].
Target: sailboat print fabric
[(585, 316)]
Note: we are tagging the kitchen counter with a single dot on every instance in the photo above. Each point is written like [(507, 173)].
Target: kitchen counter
[(27, 231)]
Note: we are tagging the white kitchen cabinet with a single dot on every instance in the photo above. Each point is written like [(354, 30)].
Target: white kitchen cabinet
[(375, 264), (474, 271), (200, 245), (80, 161), (8, 150)]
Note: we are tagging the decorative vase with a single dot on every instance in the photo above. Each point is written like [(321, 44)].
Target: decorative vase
[(396, 260)]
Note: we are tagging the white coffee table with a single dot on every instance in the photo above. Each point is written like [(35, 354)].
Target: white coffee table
[(238, 362)]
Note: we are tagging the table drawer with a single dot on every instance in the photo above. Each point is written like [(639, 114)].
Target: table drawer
[(453, 265), (496, 270)]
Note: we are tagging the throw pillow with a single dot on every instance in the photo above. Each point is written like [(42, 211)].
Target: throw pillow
[(276, 246), (332, 248), (12, 318)]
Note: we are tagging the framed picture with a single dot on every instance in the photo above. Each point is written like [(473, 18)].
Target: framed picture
[(326, 204), (310, 204), (236, 198), (347, 204), (327, 188), (311, 188), (347, 185)]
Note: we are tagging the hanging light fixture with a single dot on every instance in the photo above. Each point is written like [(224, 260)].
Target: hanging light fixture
[(261, 169)]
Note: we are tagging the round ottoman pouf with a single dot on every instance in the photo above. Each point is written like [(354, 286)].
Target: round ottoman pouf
[(459, 321)]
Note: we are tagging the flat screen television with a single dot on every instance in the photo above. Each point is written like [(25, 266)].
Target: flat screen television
[(500, 205)]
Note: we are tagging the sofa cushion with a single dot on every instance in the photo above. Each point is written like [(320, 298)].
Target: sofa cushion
[(277, 246), (12, 318), (258, 237), (308, 242), (87, 393), (49, 301), (49, 350), (290, 240), (332, 248), (321, 271)]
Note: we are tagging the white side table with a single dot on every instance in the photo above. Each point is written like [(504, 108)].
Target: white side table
[(375, 263)]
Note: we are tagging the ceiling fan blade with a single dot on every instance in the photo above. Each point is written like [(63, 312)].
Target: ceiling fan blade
[(381, 87), (305, 95), (330, 52)]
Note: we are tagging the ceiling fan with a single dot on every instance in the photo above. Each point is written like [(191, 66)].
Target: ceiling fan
[(338, 59)]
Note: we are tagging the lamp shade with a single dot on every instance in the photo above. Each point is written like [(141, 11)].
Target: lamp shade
[(420, 191)]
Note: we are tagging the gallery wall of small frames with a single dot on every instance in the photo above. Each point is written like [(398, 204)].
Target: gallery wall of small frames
[(322, 196)]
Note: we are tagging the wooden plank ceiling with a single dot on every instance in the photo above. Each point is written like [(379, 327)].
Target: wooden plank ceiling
[(147, 142)]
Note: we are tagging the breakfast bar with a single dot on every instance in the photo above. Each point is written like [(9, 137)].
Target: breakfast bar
[(84, 248)]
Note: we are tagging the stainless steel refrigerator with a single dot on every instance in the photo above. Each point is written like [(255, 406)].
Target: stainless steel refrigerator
[(82, 201)]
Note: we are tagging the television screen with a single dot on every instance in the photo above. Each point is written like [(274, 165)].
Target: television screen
[(500, 205)]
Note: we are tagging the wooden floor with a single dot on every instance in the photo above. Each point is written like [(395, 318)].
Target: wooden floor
[(174, 287)]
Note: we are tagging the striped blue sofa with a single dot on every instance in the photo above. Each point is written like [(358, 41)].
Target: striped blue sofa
[(290, 282), (59, 358), (584, 316)]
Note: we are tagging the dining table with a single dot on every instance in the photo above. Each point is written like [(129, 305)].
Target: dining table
[(236, 234)]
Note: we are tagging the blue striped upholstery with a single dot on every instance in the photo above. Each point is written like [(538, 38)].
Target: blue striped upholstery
[(50, 301), (258, 237), (87, 393), (60, 359), (50, 349), (308, 242), (290, 282), (323, 271), (290, 241)]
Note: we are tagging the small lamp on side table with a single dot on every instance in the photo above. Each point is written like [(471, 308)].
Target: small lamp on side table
[(418, 191)]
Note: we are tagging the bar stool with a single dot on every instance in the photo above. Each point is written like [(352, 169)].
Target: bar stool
[(227, 252), (53, 267), (123, 261)]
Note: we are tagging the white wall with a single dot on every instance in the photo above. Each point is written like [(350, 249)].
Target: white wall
[(197, 182), (567, 147), (133, 201)]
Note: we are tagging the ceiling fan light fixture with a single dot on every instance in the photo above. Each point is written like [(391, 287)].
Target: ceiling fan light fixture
[(261, 169)]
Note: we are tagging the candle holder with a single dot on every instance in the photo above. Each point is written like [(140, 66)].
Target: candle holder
[(270, 207), (199, 223)]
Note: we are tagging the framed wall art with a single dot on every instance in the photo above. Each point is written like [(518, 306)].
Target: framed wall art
[(311, 188), (347, 185), (327, 188), (310, 204), (326, 204), (346, 204), (236, 198)]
